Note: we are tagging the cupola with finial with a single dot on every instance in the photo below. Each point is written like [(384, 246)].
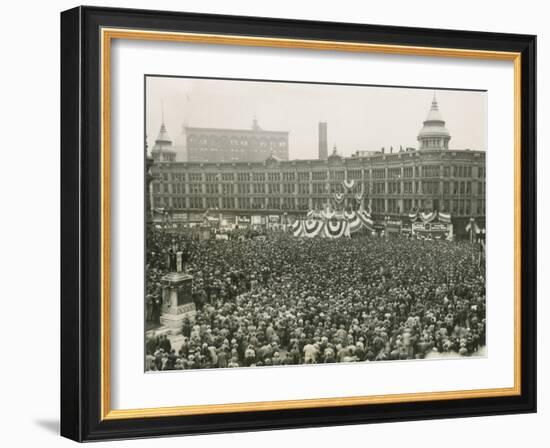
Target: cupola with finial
[(434, 135)]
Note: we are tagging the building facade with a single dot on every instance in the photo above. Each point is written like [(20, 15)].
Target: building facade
[(432, 178), (234, 145)]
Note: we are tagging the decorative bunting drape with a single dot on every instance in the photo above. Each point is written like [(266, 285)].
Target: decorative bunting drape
[(297, 227), (348, 184), (349, 214), (312, 227), (427, 217), (338, 197), (359, 194), (354, 222), (444, 217), (335, 228), (332, 224), (366, 219)]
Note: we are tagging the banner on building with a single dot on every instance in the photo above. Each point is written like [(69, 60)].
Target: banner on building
[(332, 224), (243, 220), (427, 217), (179, 217), (348, 184)]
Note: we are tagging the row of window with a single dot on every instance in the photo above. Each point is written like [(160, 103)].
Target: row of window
[(429, 187), (220, 151), (225, 141), (291, 176), (457, 207), (378, 188), (435, 143)]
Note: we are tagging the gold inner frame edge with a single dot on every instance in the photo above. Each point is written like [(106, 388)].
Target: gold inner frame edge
[(107, 35)]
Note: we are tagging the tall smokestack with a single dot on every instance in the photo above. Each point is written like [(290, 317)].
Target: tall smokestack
[(323, 145)]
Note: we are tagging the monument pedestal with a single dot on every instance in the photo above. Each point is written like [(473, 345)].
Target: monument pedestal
[(177, 301)]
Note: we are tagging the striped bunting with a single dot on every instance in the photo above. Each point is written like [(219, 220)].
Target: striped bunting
[(335, 229), (348, 184)]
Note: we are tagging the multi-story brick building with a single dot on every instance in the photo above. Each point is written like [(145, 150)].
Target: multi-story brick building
[(234, 145), (432, 177)]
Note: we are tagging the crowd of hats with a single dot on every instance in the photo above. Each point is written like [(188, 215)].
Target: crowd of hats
[(279, 300)]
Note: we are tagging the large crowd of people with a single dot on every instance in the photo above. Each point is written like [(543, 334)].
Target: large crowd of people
[(279, 300)]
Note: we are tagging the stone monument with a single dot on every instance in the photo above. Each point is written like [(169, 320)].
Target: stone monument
[(177, 300)]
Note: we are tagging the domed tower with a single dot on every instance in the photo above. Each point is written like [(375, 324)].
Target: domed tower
[(434, 135)]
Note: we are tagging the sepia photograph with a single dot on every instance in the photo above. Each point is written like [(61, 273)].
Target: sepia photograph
[(294, 223), (273, 223)]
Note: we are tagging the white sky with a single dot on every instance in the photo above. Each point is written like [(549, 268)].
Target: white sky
[(358, 117)]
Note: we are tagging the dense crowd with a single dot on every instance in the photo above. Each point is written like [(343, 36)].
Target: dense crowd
[(281, 300)]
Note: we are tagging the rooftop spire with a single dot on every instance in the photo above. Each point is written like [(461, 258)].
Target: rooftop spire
[(163, 137), (434, 115), (435, 106), (162, 150)]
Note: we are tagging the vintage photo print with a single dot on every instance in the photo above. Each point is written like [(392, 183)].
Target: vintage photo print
[(292, 223)]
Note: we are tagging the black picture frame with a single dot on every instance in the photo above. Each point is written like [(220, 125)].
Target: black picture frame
[(81, 224)]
